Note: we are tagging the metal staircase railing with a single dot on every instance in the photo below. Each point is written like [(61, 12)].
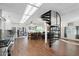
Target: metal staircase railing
[(54, 30)]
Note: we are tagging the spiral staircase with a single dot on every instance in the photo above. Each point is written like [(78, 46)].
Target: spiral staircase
[(54, 29)]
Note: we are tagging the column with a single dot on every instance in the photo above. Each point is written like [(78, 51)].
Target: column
[(45, 32)]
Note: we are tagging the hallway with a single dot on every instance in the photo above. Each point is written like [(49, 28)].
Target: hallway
[(24, 47)]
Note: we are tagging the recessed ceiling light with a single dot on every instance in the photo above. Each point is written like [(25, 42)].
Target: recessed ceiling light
[(24, 19), (36, 4), (29, 11), (32, 10)]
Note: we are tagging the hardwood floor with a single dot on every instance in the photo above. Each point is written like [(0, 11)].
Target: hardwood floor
[(62, 48), (25, 47)]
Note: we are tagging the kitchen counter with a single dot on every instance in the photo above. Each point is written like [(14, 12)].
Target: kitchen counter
[(4, 43), (4, 46)]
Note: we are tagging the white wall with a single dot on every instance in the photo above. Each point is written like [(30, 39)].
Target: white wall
[(0, 12), (7, 22), (9, 16), (64, 24), (8, 25)]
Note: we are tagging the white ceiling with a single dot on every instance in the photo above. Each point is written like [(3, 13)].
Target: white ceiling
[(68, 11), (13, 11)]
